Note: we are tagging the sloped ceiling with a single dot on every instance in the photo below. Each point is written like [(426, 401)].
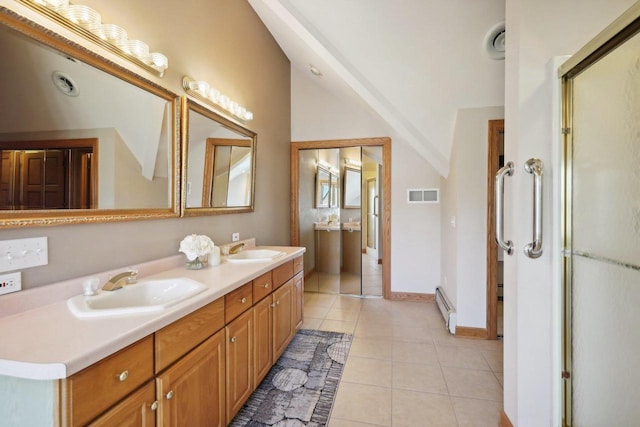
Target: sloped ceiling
[(413, 62)]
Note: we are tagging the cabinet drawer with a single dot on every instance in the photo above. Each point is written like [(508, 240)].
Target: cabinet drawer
[(262, 286), (238, 301), (177, 339), (91, 391), (282, 273), (298, 264)]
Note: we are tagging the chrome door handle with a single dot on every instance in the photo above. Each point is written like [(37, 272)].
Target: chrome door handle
[(506, 170), (534, 167)]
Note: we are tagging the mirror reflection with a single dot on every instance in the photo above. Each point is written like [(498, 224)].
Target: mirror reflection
[(79, 134), (351, 187), (219, 159)]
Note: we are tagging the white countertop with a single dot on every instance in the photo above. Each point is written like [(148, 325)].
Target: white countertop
[(48, 342)]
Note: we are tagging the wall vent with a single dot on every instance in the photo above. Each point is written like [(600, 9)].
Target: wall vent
[(423, 195)]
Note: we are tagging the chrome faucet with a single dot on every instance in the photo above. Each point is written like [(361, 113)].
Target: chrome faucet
[(116, 282), (236, 248)]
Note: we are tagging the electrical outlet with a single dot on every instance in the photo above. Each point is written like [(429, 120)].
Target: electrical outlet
[(10, 282), (235, 237), (23, 253)]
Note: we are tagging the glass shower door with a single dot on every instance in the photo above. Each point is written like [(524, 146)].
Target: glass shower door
[(602, 238)]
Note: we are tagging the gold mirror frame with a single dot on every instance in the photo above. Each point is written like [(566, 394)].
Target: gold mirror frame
[(17, 219), (191, 105)]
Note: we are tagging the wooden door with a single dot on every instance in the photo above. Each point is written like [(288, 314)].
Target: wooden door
[(42, 179), (262, 340), (192, 391), (137, 410), (239, 335), (282, 318)]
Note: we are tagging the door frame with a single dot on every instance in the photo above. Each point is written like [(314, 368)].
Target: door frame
[(493, 161), (385, 143)]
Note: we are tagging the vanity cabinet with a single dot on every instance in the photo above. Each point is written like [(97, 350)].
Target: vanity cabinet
[(92, 391), (200, 369), (239, 379), (192, 391), (137, 410)]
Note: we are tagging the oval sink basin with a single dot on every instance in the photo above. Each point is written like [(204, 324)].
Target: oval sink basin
[(254, 255), (143, 297)]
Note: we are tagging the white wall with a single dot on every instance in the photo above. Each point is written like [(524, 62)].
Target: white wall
[(415, 229), (464, 246), (538, 30)]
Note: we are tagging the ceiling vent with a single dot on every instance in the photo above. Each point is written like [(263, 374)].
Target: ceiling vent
[(65, 83), (494, 41)]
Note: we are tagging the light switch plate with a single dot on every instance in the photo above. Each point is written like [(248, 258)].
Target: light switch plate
[(23, 253)]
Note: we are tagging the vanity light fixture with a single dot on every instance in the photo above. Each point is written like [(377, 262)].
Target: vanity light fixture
[(203, 91), (328, 166), (87, 23)]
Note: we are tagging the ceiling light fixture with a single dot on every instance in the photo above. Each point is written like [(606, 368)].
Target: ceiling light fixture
[(87, 23), (315, 71), (495, 41), (203, 91)]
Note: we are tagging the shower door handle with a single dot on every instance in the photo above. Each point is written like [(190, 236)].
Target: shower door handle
[(534, 167), (506, 170)]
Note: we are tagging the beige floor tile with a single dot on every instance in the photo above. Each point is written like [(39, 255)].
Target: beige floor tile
[(315, 311), (476, 413), (346, 314), (494, 359), (460, 357), (411, 333), (375, 348), (410, 352), (324, 300), (472, 383), (367, 371), (346, 302), (418, 377), (311, 323), (363, 403), (412, 409), (337, 326), (373, 329), (335, 422)]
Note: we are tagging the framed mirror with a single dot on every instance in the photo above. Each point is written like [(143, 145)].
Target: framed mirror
[(81, 138), (335, 191), (352, 188), (219, 157)]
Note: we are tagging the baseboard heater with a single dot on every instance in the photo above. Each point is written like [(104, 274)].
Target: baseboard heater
[(447, 309)]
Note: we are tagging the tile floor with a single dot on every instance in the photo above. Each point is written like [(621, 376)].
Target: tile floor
[(369, 282), (404, 369)]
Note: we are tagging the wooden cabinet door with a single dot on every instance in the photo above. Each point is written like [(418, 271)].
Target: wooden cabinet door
[(239, 335), (192, 391), (262, 342), (298, 300), (283, 327), (137, 410)]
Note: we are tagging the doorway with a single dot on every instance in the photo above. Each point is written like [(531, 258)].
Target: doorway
[(601, 235), (334, 229), (495, 255)]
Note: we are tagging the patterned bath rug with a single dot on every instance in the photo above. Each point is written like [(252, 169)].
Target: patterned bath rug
[(300, 388)]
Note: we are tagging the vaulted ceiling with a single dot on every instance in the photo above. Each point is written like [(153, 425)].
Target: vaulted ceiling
[(414, 63)]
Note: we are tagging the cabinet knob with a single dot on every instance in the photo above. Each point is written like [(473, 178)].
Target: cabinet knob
[(169, 395), (272, 305), (243, 300), (123, 375), (266, 286), (278, 302), (233, 339), (154, 405)]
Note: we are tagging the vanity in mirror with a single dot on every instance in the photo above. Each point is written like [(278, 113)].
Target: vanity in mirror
[(219, 163), (81, 139)]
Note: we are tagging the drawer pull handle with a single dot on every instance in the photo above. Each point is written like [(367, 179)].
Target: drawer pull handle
[(169, 395), (266, 286), (154, 405), (243, 300), (233, 339), (123, 376)]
